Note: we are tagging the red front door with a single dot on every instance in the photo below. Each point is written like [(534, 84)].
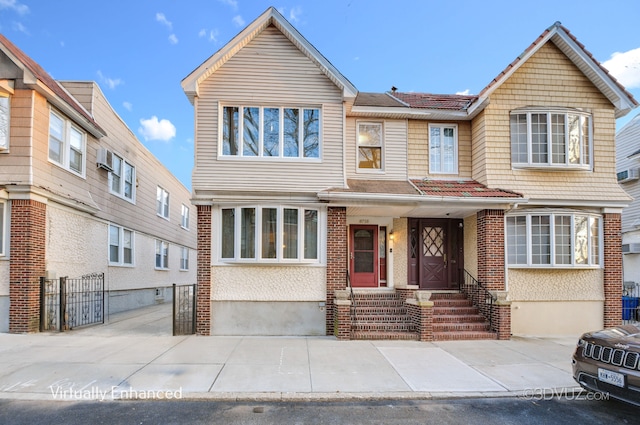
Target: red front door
[(364, 256)]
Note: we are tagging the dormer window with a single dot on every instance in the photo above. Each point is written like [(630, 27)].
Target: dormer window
[(550, 139)]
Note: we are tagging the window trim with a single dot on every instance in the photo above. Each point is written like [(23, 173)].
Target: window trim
[(591, 264), (4, 146), (456, 143), (162, 208), (121, 262), (184, 218), (184, 260), (162, 243), (549, 165), (261, 156), (364, 170), (65, 149), (258, 230), (121, 194)]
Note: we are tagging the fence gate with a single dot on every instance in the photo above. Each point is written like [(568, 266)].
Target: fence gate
[(184, 309), (67, 303)]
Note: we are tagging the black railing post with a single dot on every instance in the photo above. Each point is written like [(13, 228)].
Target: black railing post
[(43, 312), (193, 311), (175, 301), (63, 303)]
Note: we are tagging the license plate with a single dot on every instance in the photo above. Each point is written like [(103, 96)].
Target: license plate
[(613, 378)]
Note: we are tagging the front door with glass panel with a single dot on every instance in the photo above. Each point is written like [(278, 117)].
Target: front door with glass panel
[(364, 256)]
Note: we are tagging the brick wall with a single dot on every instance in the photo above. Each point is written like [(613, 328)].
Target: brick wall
[(203, 303), (27, 264), (612, 269), (491, 249), (336, 259)]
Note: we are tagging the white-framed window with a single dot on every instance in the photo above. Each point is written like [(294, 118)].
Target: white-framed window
[(162, 202), (443, 149), (162, 254), (5, 115), (370, 144), (122, 179), (270, 132), (67, 144), (184, 221), (184, 258), (269, 234), (3, 227), (556, 239), (121, 246), (551, 138)]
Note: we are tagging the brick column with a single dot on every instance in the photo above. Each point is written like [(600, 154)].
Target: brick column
[(342, 315), (420, 310), (27, 264), (502, 315), (203, 301), (491, 264), (336, 259), (612, 269)]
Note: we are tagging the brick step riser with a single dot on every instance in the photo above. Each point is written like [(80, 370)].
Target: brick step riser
[(404, 336), (390, 296), (463, 336), (458, 311), (465, 318), (382, 329), (452, 303), (461, 327), (383, 319), (452, 296), (375, 303)]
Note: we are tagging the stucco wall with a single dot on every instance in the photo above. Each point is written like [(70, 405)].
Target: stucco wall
[(399, 246), (555, 285), (268, 283)]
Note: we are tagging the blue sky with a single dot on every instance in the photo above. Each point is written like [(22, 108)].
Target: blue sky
[(139, 50)]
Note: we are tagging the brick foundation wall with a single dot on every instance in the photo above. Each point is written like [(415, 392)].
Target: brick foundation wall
[(612, 269), (336, 259), (27, 264), (203, 302)]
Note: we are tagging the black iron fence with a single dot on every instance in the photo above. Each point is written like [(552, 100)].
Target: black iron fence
[(479, 296), (184, 309), (630, 302), (69, 303)]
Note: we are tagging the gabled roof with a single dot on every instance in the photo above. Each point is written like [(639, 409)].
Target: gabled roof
[(271, 16), (581, 58), (35, 76)]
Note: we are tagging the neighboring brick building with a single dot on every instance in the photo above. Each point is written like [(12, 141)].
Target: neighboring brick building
[(79, 194), (310, 186)]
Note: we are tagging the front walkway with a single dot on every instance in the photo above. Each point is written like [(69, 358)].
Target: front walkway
[(113, 362)]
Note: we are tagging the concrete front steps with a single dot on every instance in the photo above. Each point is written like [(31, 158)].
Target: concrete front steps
[(382, 315), (455, 318)]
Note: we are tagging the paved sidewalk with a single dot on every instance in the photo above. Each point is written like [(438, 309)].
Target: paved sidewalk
[(134, 356)]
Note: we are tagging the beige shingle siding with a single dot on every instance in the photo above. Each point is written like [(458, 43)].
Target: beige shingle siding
[(14, 165), (268, 71), (549, 79), (478, 152)]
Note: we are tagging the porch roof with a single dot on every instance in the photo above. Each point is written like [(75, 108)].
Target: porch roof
[(461, 188)]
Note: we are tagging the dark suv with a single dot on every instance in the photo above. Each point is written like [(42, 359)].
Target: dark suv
[(608, 361)]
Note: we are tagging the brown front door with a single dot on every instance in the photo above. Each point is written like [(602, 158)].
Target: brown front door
[(435, 253), (364, 256)]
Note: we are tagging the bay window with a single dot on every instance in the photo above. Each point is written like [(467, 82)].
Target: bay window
[(270, 132), (550, 138), (554, 240), (269, 234)]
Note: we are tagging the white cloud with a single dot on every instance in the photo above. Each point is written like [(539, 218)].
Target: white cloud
[(202, 33), (238, 21), (163, 20), (625, 67), (154, 129), (21, 9), (127, 105), (212, 34), (112, 83), (463, 92), (294, 14), (19, 27), (232, 3), (173, 39)]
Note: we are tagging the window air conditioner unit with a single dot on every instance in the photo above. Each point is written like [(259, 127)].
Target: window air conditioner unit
[(105, 159), (628, 175), (631, 248)]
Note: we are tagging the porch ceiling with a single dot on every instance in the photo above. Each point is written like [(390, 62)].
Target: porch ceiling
[(441, 210)]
